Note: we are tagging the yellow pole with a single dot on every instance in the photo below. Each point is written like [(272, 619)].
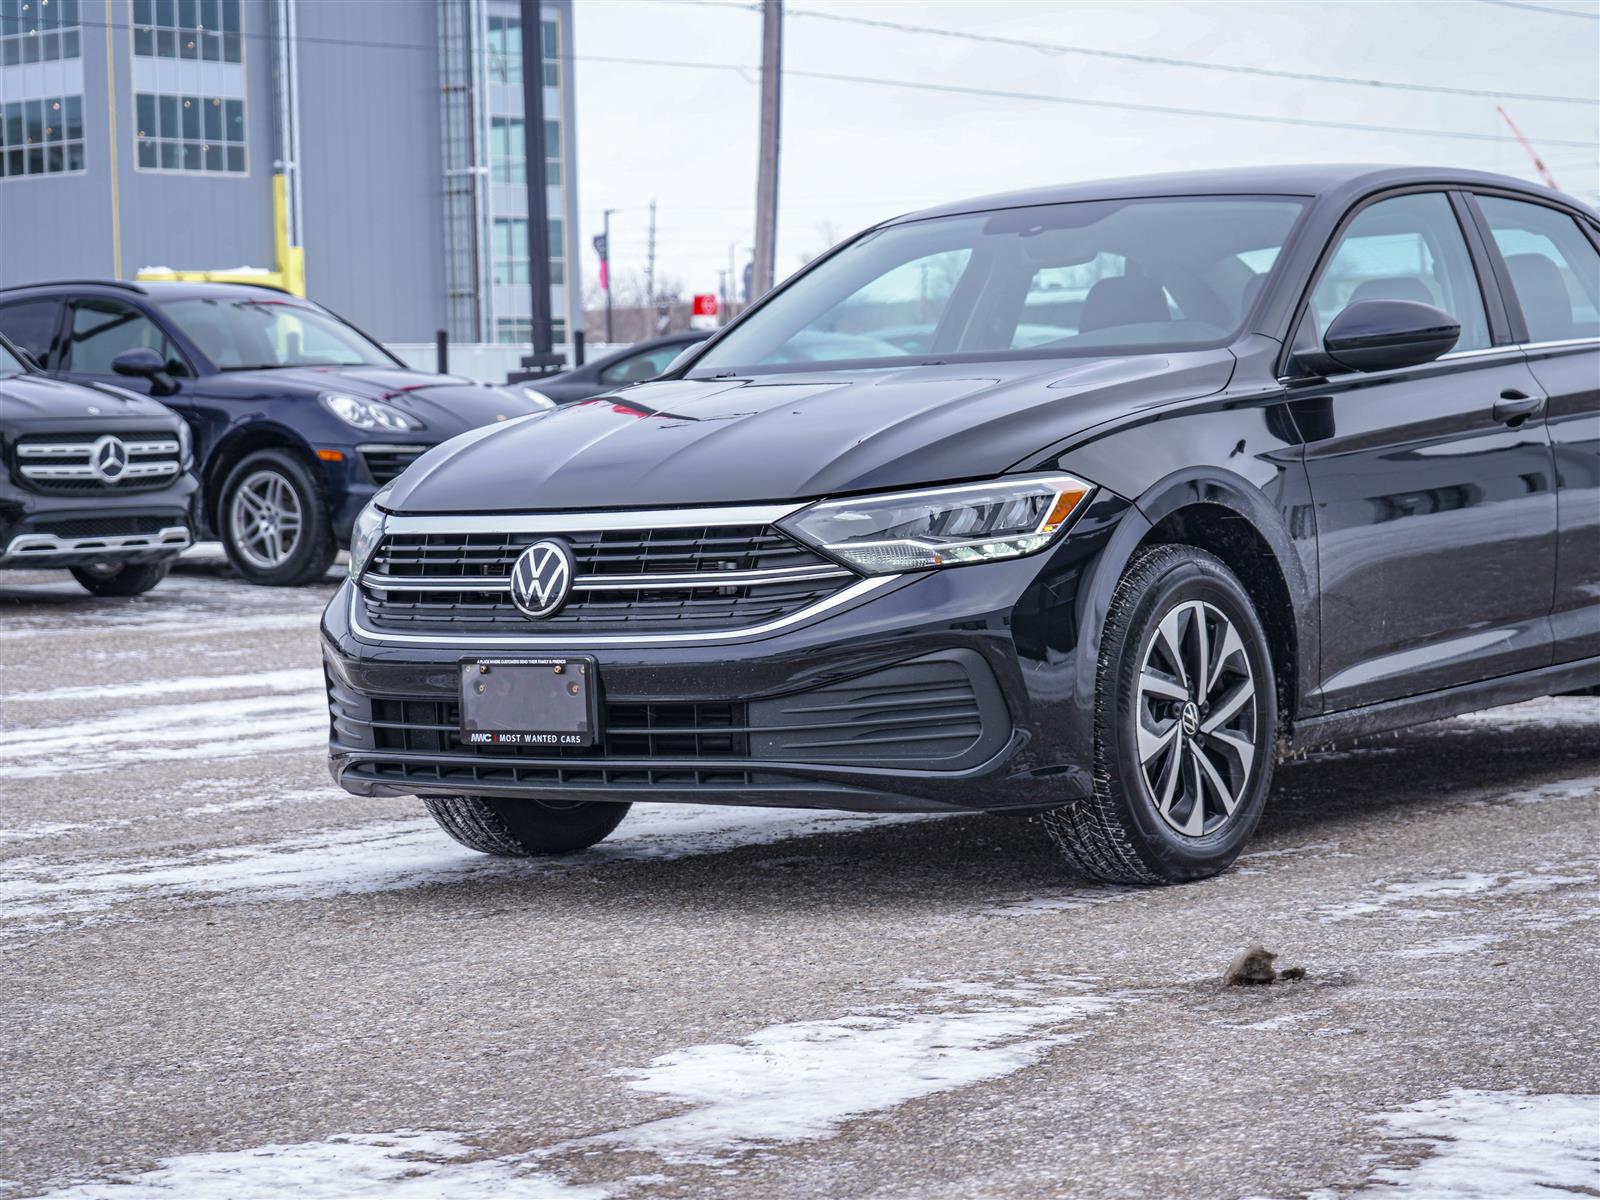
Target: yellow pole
[(291, 259), (111, 106)]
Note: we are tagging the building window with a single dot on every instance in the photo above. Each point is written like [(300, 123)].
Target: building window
[(203, 30), (508, 152), (518, 331), (511, 250), (552, 153), (558, 254), (550, 45), (190, 133), (38, 31), (41, 137), (505, 49)]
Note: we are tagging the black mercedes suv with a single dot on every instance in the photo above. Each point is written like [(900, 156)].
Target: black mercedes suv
[(94, 479), (1086, 502)]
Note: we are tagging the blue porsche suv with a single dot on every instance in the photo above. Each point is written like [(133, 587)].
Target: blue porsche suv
[(298, 417)]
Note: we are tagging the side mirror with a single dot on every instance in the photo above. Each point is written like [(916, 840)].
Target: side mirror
[(1380, 335), (144, 363)]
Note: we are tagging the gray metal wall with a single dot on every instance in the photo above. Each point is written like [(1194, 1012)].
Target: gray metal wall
[(370, 163), (57, 226)]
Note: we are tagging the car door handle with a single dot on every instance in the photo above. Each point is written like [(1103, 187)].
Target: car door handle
[(1514, 407)]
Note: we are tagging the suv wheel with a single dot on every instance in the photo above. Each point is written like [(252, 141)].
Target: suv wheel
[(121, 579), (525, 828), (1185, 726), (274, 521)]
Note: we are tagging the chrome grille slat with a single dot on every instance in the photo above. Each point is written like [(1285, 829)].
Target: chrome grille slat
[(712, 577)]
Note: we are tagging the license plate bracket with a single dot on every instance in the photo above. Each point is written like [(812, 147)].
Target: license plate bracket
[(545, 701)]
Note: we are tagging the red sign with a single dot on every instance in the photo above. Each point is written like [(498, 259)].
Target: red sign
[(705, 305)]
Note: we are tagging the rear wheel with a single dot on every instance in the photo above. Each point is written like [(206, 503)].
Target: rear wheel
[(1185, 726), (121, 579), (525, 828), (274, 522)]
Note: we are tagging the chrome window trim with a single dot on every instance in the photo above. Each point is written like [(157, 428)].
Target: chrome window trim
[(686, 580), (1510, 353), (1561, 344), (591, 522), (850, 594)]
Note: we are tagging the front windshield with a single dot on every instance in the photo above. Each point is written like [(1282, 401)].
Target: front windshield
[(249, 334), (1111, 276)]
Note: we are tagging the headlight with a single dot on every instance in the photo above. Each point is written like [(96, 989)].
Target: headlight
[(367, 533), (538, 397), (367, 414), (942, 527), (185, 444)]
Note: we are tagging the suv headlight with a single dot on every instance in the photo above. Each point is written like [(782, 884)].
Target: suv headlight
[(367, 414), (185, 445), (942, 527), (367, 533)]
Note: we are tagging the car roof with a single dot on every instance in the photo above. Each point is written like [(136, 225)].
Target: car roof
[(1310, 180), (156, 289)]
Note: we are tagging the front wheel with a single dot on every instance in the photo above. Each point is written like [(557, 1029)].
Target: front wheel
[(1185, 726), (121, 579), (274, 521), (524, 828)]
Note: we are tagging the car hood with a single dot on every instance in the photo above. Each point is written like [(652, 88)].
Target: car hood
[(445, 404), (787, 437), (40, 398)]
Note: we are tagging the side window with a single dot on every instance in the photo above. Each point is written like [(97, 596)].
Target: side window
[(31, 324), (1555, 270), (641, 366), (1407, 248), (103, 329)]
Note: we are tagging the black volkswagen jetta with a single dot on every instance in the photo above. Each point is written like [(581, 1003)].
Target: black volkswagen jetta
[(1175, 474)]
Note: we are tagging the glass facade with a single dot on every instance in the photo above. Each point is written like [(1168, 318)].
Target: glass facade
[(505, 50), (204, 134), (511, 251), (38, 31), (202, 30), (508, 151), (41, 137)]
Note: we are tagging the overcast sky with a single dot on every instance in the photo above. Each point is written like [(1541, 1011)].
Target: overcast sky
[(854, 153)]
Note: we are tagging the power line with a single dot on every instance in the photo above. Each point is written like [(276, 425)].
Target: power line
[(1161, 60), (1123, 105), (1545, 8)]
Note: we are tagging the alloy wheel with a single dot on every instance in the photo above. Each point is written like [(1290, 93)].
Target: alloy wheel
[(1195, 718), (265, 519)]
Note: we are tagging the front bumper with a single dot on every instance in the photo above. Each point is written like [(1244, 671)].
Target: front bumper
[(959, 689)]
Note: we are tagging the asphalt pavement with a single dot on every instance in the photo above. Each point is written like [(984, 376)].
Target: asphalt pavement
[(222, 977)]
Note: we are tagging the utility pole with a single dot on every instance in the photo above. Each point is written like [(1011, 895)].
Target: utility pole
[(650, 262), (542, 358), (603, 245), (767, 174)]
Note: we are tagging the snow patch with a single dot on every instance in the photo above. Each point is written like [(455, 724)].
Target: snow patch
[(388, 856), (801, 1081), (1395, 896), (1466, 944), (297, 679), (1480, 1145), (409, 1164)]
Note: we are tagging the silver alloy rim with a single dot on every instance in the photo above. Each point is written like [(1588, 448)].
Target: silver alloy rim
[(265, 519), (1196, 719)]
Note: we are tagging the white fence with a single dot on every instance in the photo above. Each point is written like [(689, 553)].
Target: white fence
[(486, 361)]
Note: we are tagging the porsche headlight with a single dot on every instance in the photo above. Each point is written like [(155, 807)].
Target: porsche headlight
[(367, 414), (367, 533), (942, 527)]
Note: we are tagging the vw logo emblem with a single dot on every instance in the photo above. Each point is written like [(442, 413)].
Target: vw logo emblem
[(108, 458), (1190, 718), (541, 579)]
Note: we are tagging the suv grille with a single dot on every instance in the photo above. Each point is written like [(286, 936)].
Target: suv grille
[(461, 582), (65, 462)]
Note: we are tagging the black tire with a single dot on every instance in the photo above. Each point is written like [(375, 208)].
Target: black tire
[(1119, 834), (315, 546), (129, 579), (525, 828)]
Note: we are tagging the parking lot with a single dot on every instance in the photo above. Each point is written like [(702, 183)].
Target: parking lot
[(221, 973)]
